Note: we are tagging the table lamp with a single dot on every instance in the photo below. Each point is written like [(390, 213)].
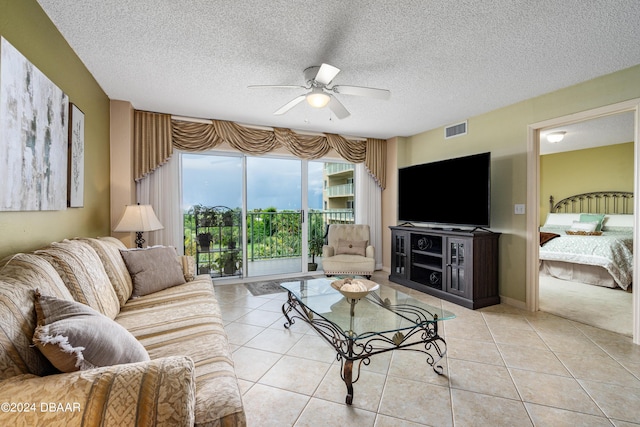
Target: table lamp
[(138, 218)]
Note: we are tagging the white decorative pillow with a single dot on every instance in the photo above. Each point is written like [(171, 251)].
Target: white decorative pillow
[(587, 227), (560, 219), (618, 220), (153, 269), (75, 337)]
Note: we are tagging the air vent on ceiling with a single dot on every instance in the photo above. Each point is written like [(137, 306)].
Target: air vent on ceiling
[(455, 130)]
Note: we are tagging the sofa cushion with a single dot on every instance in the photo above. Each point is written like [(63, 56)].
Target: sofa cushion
[(19, 274), (186, 320), (351, 247), (75, 337), (80, 268), (153, 269), (108, 249)]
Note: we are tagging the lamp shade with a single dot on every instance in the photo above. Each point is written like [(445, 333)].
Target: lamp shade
[(138, 218)]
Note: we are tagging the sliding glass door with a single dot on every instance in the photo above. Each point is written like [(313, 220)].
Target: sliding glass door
[(274, 216), (282, 206)]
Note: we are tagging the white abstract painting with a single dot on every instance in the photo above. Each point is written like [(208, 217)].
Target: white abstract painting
[(33, 136)]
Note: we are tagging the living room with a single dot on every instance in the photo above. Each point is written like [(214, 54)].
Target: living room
[(109, 185)]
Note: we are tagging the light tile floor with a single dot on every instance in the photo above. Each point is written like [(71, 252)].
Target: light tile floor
[(504, 367)]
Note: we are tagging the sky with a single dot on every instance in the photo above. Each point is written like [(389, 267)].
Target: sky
[(272, 182)]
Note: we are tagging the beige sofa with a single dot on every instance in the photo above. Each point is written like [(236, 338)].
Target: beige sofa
[(182, 374)]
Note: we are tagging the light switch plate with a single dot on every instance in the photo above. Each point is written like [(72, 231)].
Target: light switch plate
[(519, 209)]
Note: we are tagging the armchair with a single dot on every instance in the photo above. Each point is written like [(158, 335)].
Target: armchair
[(348, 251)]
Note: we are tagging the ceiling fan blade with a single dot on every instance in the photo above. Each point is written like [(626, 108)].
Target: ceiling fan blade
[(338, 109), (289, 105), (362, 91), (277, 86), (326, 73)]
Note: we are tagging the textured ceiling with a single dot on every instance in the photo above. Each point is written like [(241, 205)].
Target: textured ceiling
[(443, 61)]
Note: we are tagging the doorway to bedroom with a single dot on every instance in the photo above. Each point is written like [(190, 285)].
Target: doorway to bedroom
[(582, 278), (572, 299)]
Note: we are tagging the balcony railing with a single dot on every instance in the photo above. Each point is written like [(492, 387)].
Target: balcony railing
[(343, 190), (333, 168), (273, 235)]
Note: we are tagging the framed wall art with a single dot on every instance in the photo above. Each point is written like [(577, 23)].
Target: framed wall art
[(76, 157), (33, 136)]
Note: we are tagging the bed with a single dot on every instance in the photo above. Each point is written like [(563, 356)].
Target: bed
[(588, 238)]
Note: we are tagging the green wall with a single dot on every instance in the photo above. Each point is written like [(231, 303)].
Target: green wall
[(504, 133), (608, 168), (27, 27)]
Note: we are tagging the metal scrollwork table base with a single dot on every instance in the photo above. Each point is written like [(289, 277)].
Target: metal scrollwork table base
[(357, 329)]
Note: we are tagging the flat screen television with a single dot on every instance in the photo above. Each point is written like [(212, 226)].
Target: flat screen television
[(449, 193)]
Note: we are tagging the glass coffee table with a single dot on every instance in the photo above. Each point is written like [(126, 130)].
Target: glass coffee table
[(384, 320)]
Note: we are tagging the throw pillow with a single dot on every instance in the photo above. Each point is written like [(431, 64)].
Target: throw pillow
[(352, 247), (587, 227), (153, 269), (75, 337), (598, 218)]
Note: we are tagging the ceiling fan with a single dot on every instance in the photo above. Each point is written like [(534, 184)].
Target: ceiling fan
[(320, 95)]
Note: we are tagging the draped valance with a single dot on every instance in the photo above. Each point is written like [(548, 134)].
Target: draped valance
[(155, 136)]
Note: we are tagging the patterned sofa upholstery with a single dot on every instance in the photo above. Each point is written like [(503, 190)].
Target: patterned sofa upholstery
[(189, 379), (348, 250)]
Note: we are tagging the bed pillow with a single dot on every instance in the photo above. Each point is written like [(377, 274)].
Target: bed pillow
[(561, 219), (153, 269), (352, 247), (597, 218), (618, 220), (587, 227), (75, 337)]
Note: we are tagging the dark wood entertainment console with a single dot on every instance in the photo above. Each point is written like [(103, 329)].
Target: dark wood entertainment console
[(455, 265)]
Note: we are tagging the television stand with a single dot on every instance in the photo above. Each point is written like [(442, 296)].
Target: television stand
[(460, 266)]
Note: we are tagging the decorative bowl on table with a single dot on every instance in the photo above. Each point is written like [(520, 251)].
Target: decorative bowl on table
[(354, 288)]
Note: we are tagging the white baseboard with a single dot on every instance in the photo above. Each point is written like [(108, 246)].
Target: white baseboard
[(522, 305)]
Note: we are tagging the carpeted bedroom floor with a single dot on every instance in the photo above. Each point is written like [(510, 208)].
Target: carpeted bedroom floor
[(605, 308)]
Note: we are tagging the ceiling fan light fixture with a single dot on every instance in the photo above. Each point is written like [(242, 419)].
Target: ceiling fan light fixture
[(318, 99), (554, 137)]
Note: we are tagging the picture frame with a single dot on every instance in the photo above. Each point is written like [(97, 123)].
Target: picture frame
[(76, 157), (33, 136)]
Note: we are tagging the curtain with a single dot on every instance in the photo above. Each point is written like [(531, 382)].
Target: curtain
[(369, 208), (156, 135), (189, 136), (151, 142), (376, 161), (162, 189)]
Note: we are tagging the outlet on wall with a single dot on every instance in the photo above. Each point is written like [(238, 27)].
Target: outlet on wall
[(519, 209)]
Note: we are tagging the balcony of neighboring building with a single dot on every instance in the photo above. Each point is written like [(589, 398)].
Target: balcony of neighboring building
[(341, 190), (336, 169)]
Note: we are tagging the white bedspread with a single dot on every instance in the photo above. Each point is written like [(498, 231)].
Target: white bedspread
[(613, 250)]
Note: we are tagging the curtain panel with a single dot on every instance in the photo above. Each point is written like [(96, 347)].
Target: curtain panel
[(151, 142), (155, 136)]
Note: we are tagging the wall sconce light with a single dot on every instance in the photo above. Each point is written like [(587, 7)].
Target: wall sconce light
[(317, 98), (138, 218), (554, 137)]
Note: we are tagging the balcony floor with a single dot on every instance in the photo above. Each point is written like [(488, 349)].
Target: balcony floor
[(271, 267)]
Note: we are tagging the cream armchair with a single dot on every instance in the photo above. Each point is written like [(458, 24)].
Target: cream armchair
[(348, 251)]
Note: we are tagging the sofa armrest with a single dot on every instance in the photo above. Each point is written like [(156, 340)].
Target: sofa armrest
[(370, 252), (327, 251), (159, 392)]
